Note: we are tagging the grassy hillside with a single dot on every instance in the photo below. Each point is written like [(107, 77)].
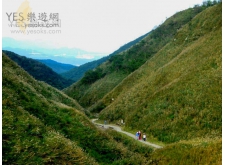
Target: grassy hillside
[(198, 151), (97, 83), (39, 70), (41, 125), (177, 94), (78, 72)]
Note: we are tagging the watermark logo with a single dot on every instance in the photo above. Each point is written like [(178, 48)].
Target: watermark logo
[(22, 13), (25, 18)]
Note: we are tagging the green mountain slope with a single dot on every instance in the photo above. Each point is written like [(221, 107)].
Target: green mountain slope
[(78, 72), (177, 94), (41, 125), (56, 66), (198, 151), (39, 71), (97, 83)]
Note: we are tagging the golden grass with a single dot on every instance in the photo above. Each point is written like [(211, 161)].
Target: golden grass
[(177, 93), (185, 153), (121, 65)]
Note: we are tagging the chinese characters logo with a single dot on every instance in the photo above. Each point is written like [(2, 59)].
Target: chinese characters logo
[(24, 18)]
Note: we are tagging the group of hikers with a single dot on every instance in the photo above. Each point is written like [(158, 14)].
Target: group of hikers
[(139, 136)]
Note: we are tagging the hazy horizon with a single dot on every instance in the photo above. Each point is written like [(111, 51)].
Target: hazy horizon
[(92, 26)]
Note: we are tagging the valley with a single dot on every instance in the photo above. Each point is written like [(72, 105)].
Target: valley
[(167, 84)]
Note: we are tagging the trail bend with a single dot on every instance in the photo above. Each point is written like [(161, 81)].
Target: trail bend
[(118, 129)]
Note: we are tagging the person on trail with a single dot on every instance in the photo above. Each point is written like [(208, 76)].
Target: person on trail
[(137, 135), (144, 137)]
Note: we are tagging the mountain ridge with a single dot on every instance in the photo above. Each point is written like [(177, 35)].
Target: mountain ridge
[(56, 66), (97, 83), (77, 73), (39, 70), (179, 85), (37, 50)]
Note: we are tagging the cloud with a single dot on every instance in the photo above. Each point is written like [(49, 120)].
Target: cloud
[(33, 53), (85, 56), (56, 55)]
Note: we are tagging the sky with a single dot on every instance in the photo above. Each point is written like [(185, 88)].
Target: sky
[(92, 25)]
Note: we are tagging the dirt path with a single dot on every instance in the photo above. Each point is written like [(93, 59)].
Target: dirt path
[(117, 128)]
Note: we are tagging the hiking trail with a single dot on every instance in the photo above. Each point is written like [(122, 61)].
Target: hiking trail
[(118, 129)]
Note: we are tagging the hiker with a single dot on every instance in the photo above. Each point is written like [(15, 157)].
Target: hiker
[(144, 137), (137, 135)]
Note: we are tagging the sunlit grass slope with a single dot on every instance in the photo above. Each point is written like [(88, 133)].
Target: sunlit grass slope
[(30, 111), (198, 151), (177, 94), (96, 84), (41, 125)]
